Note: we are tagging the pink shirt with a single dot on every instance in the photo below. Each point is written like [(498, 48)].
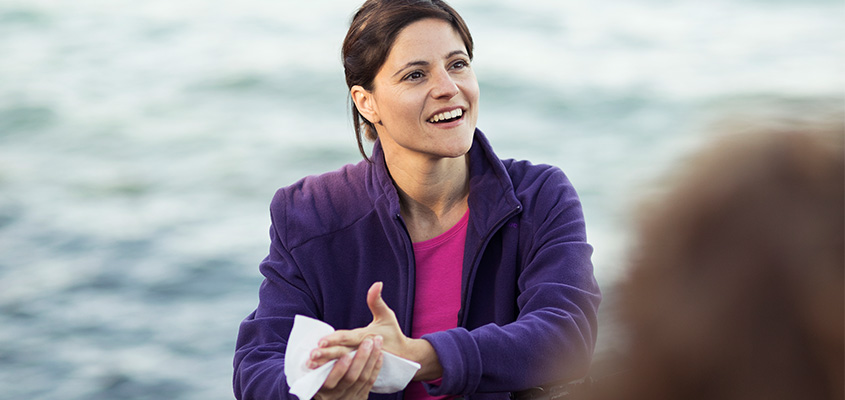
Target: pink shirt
[(437, 297)]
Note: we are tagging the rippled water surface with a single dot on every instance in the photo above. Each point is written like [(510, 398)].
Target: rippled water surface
[(141, 142)]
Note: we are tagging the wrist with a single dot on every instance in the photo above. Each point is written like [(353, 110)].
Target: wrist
[(422, 352)]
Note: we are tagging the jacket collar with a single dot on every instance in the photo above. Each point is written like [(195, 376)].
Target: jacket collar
[(491, 193)]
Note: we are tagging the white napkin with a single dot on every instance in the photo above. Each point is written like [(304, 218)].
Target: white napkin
[(304, 382)]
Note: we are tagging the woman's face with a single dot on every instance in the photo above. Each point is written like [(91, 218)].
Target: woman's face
[(425, 97)]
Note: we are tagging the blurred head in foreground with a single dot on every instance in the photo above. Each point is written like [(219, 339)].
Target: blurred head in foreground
[(736, 287)]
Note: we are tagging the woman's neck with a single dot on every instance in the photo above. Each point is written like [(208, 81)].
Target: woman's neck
[(432, 194)]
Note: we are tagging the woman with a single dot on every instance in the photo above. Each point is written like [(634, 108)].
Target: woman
[(475, 267)]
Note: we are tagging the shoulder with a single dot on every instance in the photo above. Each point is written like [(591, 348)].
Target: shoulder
[(525, 178), (548, 198), (532, 180), (320, 204)]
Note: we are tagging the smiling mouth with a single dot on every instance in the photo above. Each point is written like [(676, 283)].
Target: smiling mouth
[(447, 116)]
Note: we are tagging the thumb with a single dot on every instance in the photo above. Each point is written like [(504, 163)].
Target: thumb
[(377, 305)]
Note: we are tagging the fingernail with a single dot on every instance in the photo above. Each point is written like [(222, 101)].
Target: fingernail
[(315, 354), (312, 365), (323, 343), (379, 340), (368, 344)]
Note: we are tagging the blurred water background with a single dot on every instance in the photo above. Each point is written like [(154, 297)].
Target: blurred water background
[(141, 143)]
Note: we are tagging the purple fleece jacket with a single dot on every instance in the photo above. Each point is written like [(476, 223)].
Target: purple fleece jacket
[(528, 299)]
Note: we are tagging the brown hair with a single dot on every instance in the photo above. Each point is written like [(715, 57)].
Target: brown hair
[(736, 286), (371, 34)]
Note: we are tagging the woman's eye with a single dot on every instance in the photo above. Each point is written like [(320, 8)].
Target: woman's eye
[(460, 64), (413, 76)]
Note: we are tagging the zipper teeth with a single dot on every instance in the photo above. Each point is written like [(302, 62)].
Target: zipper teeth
[(409, 308), (475, 261)]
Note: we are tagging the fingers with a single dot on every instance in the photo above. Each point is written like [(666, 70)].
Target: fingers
[(340, 342), (322, 355), (359, 365), (354, 375), (371, 371), (338, 371), (382, 316), (367, 378)]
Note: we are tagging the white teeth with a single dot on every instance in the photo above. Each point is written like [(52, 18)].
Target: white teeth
[(447, 115)]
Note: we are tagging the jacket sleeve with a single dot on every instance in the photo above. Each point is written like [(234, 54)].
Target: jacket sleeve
[(554, 334), (262, 337)]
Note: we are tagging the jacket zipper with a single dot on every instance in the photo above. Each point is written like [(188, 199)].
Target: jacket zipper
[(411, 289), (477, 260)]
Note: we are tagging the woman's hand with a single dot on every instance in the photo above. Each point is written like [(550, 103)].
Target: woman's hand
[(387, 327), (353, 376)]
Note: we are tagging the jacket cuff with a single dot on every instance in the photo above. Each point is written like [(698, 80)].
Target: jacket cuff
[(461, 361)]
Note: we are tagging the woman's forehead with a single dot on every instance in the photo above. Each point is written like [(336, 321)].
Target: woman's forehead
[(425, 39)]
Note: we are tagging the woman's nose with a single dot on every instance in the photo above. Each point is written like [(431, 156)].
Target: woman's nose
[(444, 85)]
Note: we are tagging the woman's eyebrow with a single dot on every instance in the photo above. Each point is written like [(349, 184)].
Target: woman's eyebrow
[(456, 52), (424, 63), (409, 65)]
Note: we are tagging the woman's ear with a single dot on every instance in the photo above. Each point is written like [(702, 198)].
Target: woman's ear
[(365, 103)]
